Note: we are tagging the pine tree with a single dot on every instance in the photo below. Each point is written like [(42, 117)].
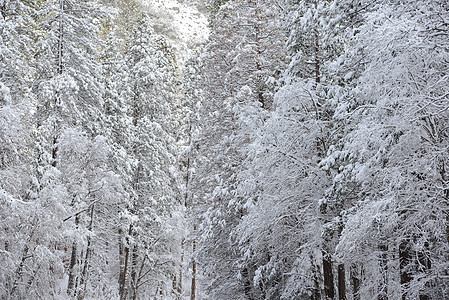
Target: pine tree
[(391, 118), (145, 101), (241, 66), (69, 92)]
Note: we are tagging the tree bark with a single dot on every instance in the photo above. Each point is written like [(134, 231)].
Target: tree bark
[(72, 265), (355, 281), (134, 272), (84, 274), (247, 286), (61, 37), (328, 276), (404, 259), (193, 287), (341, 282), (121, 253), (316, 295), (18, 273), (317, 53), (122, 286), (179, 285), (383, 293)]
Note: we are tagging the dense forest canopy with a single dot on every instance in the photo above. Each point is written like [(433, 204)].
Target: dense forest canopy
[(224, 149)]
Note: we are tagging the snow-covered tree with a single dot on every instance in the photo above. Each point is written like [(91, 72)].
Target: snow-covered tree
[(16, 38), (141, 108), (391, 166), (241, 65)]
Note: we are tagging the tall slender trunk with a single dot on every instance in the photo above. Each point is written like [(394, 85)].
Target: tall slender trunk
[(122, 286), (328, 276), (60, 69), (317, 52), (341, 282), (193, 286), (18, 273), (424, 266), (179, 285), (84, 274), (247, 284), (383, 294), (355, 281), (316, 294), (186, 196), (72, 265), (259, 87), (61, 37), (121, 255), (404, 259), (54, 151), (134, 272), (317, 60)]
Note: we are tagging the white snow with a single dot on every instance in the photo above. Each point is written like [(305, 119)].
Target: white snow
[(181, 21)]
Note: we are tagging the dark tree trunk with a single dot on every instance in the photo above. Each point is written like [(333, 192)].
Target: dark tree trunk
[(424, 266), (19, 270), (317, 53), (383, 293), (328, 276), (341, 282), (122, 286), (72, 275), (84, 274), (247, 284), (134, 272), (54, 151), (193, 287), (355, 281), (317, 60), (72, 265), (61, 38), (404, 260), (121, 254), (316, 294)]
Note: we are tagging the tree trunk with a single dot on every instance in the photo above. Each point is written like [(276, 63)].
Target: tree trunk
[(193, 287), (424, 266), (18, 273), (72, 275), (328, 276), (122, 286), (61, 37), (341, 282), (383, 294), (72, 265), (179, 285), (54, 147), (404, 259), (134, 272), (355, 281), (84, 274), (317, 60), (54, 151), (317, 53), (121, 254), (247, 286), (316, 294)]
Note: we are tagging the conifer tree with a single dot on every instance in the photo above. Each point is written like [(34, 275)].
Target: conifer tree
[(241, 66)]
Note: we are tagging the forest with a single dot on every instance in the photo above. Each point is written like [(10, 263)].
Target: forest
[(300, 151)]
